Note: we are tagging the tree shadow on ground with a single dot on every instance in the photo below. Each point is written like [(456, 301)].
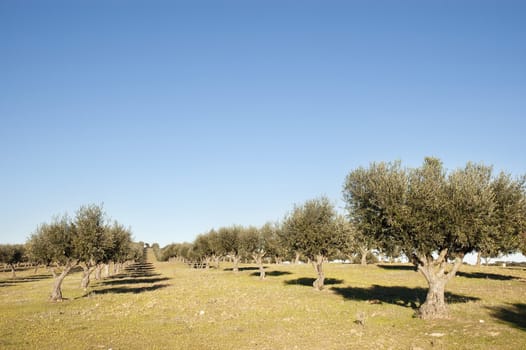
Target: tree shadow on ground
[(33, 278), (125, 275), (513, 314), (272, 273), (140, 270), (397, 267), (308, 281), (242, 269), (131, 290), (489, 276), (134, 280), (398, 295), (129, 280)]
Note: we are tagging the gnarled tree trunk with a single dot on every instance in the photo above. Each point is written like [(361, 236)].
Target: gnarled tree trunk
[(436, 276), (363, 254), (318, 266), (56, 292), (235, 259), (259, 261), (84, 283)]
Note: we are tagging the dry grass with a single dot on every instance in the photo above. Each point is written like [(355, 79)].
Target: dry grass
[(175, 307)]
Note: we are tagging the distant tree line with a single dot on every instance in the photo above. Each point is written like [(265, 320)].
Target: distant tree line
[(12, 255), (427, 214)]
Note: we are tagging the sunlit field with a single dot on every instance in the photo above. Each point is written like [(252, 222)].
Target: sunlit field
[(172, 306)]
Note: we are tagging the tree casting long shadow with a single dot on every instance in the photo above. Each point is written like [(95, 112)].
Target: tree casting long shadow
[(489, 276), (136, 278), (398, 295), (132, 290), (513, 314), (242, 269), (272, 273), (133, 280), (397, 267), (307, 281), (33, 278)]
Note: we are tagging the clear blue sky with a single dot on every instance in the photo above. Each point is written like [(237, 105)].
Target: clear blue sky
[(181, 116)]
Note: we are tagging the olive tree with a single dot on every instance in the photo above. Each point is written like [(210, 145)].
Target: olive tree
[(276, 248), (52, 245), (228, 239), (434, 217), (214, 244), (118, 248), (508, 218), (202, 250), (315, 230), (11, 255), (91, 244), (254, 242)]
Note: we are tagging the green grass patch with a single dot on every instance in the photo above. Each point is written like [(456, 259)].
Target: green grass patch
[(170, 306)]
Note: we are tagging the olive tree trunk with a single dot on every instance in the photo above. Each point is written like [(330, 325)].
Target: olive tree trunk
[(216, 259), (208, 259), (363, 254), (297, 258), (87, 270), (56, 292), (434, 271), (13, 270), (98, 272), (235, 259), (318, 266), (259, 261), (479, 259)]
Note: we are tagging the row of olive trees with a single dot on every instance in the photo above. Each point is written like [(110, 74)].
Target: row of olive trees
[(89, 240), (431, 216), (313, 230), (234, 242)]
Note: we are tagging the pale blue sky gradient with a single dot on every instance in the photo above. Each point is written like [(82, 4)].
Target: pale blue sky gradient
[(181, 116)]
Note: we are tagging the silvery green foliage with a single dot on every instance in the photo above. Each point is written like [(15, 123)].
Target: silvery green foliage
[(314, 229), (425, 210)]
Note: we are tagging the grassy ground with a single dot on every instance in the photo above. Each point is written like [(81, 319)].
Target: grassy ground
[(170, 306)]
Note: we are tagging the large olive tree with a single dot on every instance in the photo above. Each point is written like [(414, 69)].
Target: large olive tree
[(315, 230), (435, 217)]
